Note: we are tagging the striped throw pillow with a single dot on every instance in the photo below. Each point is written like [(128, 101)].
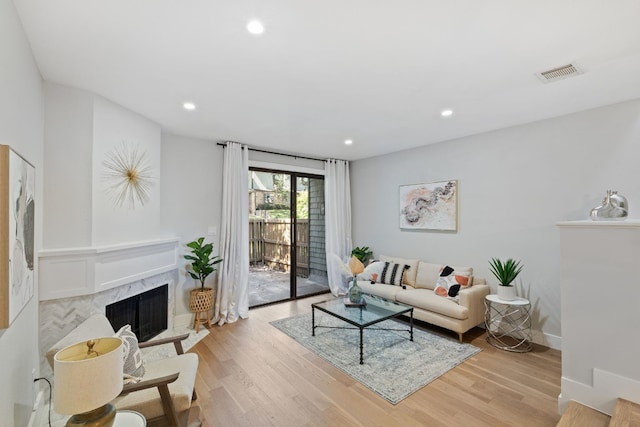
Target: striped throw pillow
[(392, 273)]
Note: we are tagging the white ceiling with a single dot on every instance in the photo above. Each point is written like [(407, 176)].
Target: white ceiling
[(376, 71)]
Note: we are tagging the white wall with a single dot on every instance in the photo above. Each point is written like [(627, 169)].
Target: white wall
[(191, 198), (21, 127), (514, 185), (68, 166), (113, 126)]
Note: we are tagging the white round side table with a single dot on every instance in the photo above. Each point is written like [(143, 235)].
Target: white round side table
[(508, 323), (129, 419)]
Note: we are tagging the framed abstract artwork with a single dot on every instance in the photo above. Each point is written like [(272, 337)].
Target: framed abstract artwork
[(432, 206), (17, 212)]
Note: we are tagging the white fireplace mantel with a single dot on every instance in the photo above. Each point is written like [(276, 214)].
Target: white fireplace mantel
[(71, 272)]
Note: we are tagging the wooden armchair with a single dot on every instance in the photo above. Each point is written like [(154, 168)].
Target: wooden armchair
[(165, 393)]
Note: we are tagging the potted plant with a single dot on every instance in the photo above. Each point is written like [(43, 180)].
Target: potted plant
[(506, 272), (363, 253), (202, 265)]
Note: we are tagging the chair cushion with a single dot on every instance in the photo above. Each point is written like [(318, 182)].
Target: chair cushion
[(148, 402), (427, 300)]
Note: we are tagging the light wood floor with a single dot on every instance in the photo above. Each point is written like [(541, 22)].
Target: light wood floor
[(251, 374)]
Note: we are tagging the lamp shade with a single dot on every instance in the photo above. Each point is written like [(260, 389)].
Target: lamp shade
[(356, 266), (87, 375)]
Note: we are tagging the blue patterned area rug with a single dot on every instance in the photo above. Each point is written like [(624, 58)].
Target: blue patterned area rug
[(394, 367)]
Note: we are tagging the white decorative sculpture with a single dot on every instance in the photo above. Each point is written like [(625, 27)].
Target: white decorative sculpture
[(614, 208)]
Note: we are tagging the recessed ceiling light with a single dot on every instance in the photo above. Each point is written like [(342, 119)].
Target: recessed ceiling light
[(255, 27), (190, 106), (348, 141), (446, 113)]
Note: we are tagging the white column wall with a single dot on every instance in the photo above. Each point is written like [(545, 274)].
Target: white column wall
[(68, 167), (599, 313), (112, 126)]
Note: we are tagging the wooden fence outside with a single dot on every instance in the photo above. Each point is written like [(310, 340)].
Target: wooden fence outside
[(270, 244)]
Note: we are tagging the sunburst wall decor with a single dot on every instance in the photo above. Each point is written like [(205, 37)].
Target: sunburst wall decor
[(129, 175)]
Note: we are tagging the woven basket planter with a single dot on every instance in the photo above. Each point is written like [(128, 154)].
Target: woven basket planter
[(201, 299)]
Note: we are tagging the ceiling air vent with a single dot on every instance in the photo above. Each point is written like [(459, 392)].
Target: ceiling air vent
[(559, 73)]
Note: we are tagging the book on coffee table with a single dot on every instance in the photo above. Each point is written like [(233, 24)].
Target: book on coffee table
[(348, 303)]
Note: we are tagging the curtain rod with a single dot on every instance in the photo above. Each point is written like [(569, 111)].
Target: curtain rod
[(224, 144)]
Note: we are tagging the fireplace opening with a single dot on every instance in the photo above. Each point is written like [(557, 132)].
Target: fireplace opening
[(145, 312)]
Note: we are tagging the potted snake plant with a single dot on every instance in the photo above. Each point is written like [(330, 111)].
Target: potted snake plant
[(506, 272), (202, 265)]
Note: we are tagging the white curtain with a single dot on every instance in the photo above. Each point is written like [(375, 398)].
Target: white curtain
[(337, 199), (232, 299)]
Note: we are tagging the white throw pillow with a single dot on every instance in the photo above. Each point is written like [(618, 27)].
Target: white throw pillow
[(373, 268), (133, 367), (410, 273), (393, 274), (464, 271)]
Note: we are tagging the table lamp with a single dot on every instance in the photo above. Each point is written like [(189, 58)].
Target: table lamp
[(87, 376)]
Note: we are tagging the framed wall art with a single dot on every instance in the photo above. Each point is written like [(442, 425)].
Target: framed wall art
[(17, 215), (432, 206)]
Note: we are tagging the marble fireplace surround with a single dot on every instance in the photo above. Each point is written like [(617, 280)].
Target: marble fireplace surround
[(76, 283)]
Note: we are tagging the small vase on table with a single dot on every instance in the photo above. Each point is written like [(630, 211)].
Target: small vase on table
[(355, 292)]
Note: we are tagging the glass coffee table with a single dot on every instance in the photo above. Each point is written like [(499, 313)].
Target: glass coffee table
[(375, 310)]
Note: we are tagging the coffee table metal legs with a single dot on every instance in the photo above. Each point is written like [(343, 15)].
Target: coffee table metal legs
[(361, 356), (411, 323), (313, 321)]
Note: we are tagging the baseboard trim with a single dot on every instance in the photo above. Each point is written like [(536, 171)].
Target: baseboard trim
[(548, 340), (39, 413), (542, 338), (603, 395)]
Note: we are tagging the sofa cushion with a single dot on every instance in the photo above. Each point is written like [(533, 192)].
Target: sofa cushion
[(410, 274), (393, 274), (379, 289), (428, 274), (426, 299)]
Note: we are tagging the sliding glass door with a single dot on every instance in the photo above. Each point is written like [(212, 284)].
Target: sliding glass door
[(286, 236)]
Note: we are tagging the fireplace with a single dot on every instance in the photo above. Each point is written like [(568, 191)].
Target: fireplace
[(145, 312)]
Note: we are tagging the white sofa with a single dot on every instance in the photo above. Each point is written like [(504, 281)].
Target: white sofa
[(457, 314)]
